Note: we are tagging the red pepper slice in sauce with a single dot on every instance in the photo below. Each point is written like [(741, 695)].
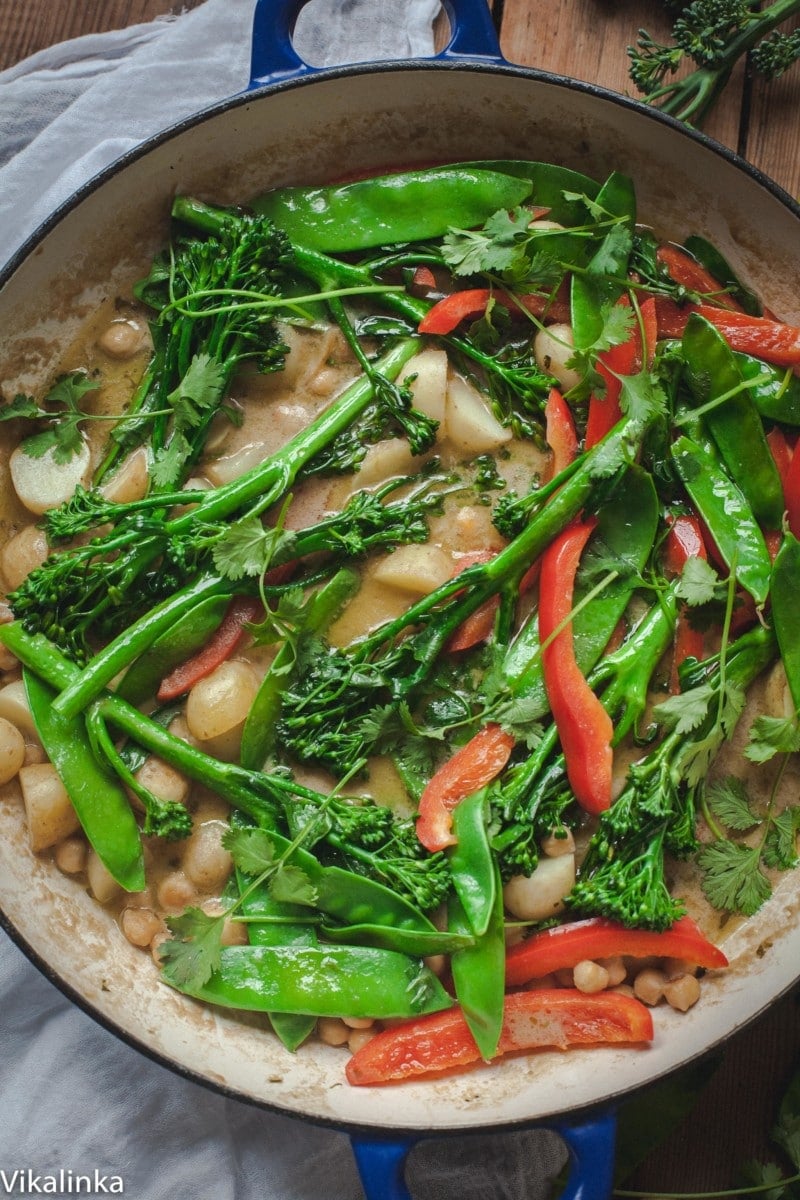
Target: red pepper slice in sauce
[(555, 1018)]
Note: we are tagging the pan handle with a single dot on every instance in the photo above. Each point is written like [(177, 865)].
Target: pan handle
[(381, 1162), (275, 60)]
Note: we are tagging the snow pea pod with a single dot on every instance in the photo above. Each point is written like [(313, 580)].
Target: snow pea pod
[(322, 981), (554, 187), (406, 941), (727, 514), (472, 864), (735, 424), (784, 591), (189, 633), (100, 803), (626, 530), (778, 396), (479, 971), (410, 206), (291, 1028), (717, 265)]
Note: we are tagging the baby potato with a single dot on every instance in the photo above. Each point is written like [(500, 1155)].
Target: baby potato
[(427, 373), (42, 483), (21, 553), (416, 570), (220, 702), (541, 895), (130, 481), (51, 817), (552, 349), (12, 750), (471, 425)]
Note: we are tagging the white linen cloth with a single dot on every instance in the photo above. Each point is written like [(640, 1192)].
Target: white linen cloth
[(73, 1098)]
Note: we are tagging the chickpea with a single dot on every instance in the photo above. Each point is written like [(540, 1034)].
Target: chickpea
[(175, 891), (140, 925), (332, 1031), (683, 992), (590, 977), (12, 750), (358, 1022), (206, 862), (122, 339), (615, 969), (163, 780), (648, 986), (70, 855), (359, 1038)]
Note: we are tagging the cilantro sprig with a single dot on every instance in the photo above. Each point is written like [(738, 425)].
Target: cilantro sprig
[(60, 414)]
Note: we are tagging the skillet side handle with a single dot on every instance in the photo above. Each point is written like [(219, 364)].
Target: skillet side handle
[(381, 1162), (273, 57), (275, 60), (591, 1147), (381, 1165)]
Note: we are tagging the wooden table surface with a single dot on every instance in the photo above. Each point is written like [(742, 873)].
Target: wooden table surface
[(587, 39)]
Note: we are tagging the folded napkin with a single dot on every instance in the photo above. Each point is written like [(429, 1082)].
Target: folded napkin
[(73, 1098)]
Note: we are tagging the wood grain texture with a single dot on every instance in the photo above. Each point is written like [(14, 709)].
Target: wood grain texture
[(586, 39), (26, 26)]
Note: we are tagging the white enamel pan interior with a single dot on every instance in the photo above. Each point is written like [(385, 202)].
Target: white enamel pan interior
[(312, 130)]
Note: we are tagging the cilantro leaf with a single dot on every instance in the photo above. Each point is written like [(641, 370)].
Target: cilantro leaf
[(251, 849), (291, 885), (688, 710), (770, 736), (642, 397), (699, 582), (169, 461), (20, 406), (199, 392), (733, 878), (194, 952), (780, 844), (247, 548), (728, 799)]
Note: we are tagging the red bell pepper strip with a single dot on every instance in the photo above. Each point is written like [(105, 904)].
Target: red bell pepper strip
[(547, 1018), (624, 359), (559, 431), (471, 768), (772, 341), (241, 611), (684, 541), (584, 727), (686, 271), (447, 314), (791, 495), (478, 625), (564, 946), (423, 281)]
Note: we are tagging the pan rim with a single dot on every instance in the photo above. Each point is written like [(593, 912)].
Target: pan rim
[(232, 104)]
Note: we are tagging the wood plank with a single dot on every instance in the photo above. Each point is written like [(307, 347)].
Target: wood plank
[(773, 141), (26, 28)]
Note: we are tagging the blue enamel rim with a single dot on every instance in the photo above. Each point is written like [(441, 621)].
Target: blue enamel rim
[(260, 95)]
